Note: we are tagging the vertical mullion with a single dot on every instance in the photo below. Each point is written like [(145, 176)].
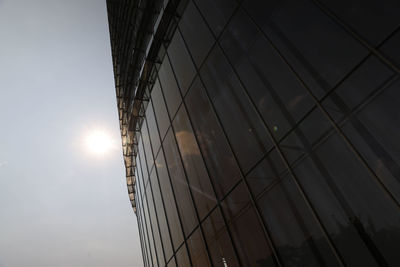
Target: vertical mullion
[(276, 258)]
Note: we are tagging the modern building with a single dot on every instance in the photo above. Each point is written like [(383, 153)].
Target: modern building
[(261, 133)]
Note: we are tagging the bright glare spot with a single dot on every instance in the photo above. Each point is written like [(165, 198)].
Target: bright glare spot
[(98, 142)]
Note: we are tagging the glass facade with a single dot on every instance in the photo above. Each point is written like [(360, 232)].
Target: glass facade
[(261, 133)]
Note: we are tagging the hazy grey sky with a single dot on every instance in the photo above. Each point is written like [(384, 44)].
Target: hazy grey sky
[(59, 205)]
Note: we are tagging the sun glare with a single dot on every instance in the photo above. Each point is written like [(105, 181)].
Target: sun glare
[(99, 142)]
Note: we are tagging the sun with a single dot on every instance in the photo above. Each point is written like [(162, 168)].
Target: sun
[(98, 142)]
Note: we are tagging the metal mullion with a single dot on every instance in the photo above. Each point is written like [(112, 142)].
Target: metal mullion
[(158, 179), (151, 187), (183, 105), (139, 216), (278, 149), (252, 200), (144, 189), (356, 36), (144, 221), (330, 119), (142, 238), (169, 176)]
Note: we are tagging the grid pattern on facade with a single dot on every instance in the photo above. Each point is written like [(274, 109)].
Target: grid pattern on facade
[(270, 137)]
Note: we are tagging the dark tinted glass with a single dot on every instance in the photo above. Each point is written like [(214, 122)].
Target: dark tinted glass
[(169, 202), (169, 87), (266, 173), (147, 147), (216, 13), (182, 258), (192, 159), (197, 249), (246, 229), (276, 92), (153, 131), (160, 109), (154, 224), (243, 127), (181, 62), (372, 19), (295, 233), (180, 186), (293, 26), (217, 154), (218, 241), (160, 211), (196, 34)]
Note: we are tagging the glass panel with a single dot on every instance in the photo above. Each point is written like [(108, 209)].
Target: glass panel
[(243, 127), (146, 144), (172, 263), (217, 154), (196, 34), (266, 173), (355, 211), (275, 90), (160, 109), (216, 13), (149, 230), (169, 87), (180, 186), (374, 20), (199, 181), (154, 224), (197, 249), (246, 229), (153, 131), (182, 258), (143, 164), (390, 49), (181, 62), (296, 235), (218, 241), (169, 202), (161, 216), (297, 27)]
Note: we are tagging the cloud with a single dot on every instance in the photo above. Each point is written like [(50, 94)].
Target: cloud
[(3, 163)]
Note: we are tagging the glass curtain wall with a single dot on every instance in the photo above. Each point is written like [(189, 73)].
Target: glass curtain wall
[(271, 137)]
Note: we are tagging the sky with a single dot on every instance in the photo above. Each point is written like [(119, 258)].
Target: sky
[(60, 205)]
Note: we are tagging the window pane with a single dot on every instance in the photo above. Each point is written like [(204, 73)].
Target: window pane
[(154, 224), (218, 241), (266, 173), (146, 144), (170, 207), (180, 186), (296, 235), (161, 216), (374, 20), (196, 34), (172, 263), (245, 130), (192, 159), (182, 258), (216, 13), (169, 87), (246, 229), (217, 154), (355, 211), (197, 249), (153, 131), (181, 62), (275, 90), (160, 109), (285, 23)]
